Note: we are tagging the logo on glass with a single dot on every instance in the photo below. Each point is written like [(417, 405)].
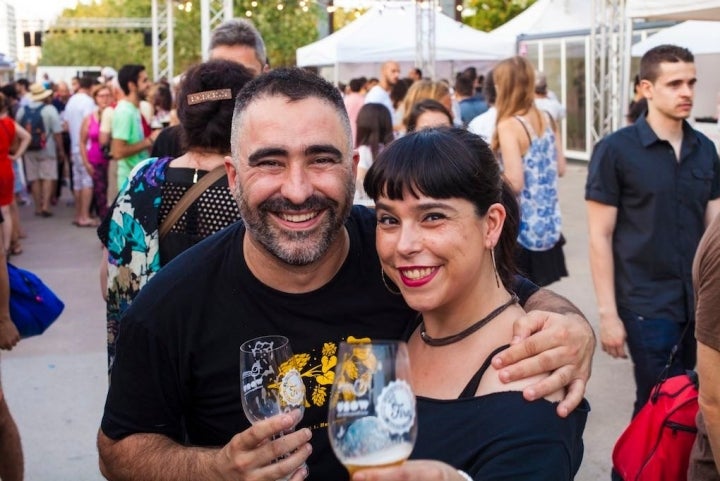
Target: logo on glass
[(396, 407)]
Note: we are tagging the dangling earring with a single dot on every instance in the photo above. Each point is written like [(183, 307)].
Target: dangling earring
[(387, 286), (492, 256)]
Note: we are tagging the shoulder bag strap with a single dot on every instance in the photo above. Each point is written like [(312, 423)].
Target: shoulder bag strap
[(189, 197)]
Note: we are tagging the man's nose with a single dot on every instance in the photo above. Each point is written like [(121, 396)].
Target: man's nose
[(297, 186)]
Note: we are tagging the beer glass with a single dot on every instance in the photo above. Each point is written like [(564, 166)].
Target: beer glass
[(270, 382), (372, 419)]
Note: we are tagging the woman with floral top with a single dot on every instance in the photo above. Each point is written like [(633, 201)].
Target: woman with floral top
[(130, 232)]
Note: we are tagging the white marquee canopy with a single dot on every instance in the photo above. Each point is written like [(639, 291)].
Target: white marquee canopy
[(674, 9), (387, 32)]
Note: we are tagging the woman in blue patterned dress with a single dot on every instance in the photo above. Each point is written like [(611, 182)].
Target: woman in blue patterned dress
[(130, 232), (527, 142)]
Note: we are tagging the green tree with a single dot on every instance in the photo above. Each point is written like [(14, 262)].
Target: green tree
[(490, 14), (284, 30), (343, 17), (116, 47), (285, 25)]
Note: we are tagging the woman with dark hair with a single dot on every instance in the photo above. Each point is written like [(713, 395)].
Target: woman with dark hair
[(374, 132), (428, 113), (447, 224), (162, 103), (133, 231)]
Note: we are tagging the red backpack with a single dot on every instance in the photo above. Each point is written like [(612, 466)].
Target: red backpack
[(656, 445)]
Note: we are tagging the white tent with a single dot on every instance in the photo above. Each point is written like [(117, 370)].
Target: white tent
[(674, 9), (697, 36), (387, 32), (547, 17)]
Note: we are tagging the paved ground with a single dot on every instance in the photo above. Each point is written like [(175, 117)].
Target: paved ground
[(55, 383)]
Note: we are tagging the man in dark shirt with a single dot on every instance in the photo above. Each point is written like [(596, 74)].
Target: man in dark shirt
[(652, 188), (302, 263)]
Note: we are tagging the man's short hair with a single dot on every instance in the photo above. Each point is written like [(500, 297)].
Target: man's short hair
[(129, 73), (239, 32), (24, 82), (86, 82), (464, 85), (470, 72), (356, 84), (294, 84), (650, 62), (9, 91)]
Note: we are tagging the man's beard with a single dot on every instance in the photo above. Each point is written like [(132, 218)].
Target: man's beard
[(296, 248)]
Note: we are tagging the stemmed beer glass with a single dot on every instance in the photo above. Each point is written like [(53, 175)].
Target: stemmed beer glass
[(270, 382), (372, 419)]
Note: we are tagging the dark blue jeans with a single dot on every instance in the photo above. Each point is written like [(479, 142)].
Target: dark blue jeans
[(650, 342)]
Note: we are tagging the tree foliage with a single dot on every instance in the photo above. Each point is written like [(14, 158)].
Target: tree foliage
[(283, 31), (490, 14)]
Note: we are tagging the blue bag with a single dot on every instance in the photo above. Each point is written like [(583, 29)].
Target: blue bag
[(33, 306)]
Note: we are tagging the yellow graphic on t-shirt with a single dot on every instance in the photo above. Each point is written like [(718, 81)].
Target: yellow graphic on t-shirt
[(318, 372)]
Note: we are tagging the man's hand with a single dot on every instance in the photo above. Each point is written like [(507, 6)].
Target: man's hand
[(612, 336), (251, 454), (256, 454), (9, 335), (546, 342)]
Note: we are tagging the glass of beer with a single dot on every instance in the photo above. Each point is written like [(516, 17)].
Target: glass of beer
[(372, 420), (271, 383)]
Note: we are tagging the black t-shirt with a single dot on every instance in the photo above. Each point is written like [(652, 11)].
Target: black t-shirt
[(177, 367), (502, 437), (486, 435)]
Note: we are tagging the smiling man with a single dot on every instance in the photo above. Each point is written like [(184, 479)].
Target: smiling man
[(652, 188), (302, 264)]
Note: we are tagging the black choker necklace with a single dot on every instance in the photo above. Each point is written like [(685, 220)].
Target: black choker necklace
[(444, 341)]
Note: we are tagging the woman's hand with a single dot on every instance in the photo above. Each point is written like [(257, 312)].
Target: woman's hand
[(417, 470)]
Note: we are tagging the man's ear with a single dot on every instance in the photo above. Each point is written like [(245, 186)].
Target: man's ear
[(231, 173), (355, 161), (646, 89)]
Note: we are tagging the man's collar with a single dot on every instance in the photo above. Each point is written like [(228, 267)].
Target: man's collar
[(648, 136)]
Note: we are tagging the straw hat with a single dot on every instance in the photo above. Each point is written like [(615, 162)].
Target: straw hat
[(38, 92)]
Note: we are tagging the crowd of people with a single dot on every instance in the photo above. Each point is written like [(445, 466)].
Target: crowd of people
[(403, 208), (526, 116)]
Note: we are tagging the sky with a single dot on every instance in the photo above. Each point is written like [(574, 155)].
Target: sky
[(41, 9)]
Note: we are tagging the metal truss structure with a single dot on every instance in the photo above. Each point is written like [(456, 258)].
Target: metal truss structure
[(163, 39), (85, 23), (609, 66), (425, 13), (161, 24), (212, 14)]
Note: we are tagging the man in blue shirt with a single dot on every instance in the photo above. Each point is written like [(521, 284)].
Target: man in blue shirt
[(652, 188)]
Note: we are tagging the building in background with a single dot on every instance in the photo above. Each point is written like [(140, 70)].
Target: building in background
[(8, 41)]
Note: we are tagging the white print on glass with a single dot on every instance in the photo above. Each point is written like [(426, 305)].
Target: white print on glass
[(396, 407), (292, 389)]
